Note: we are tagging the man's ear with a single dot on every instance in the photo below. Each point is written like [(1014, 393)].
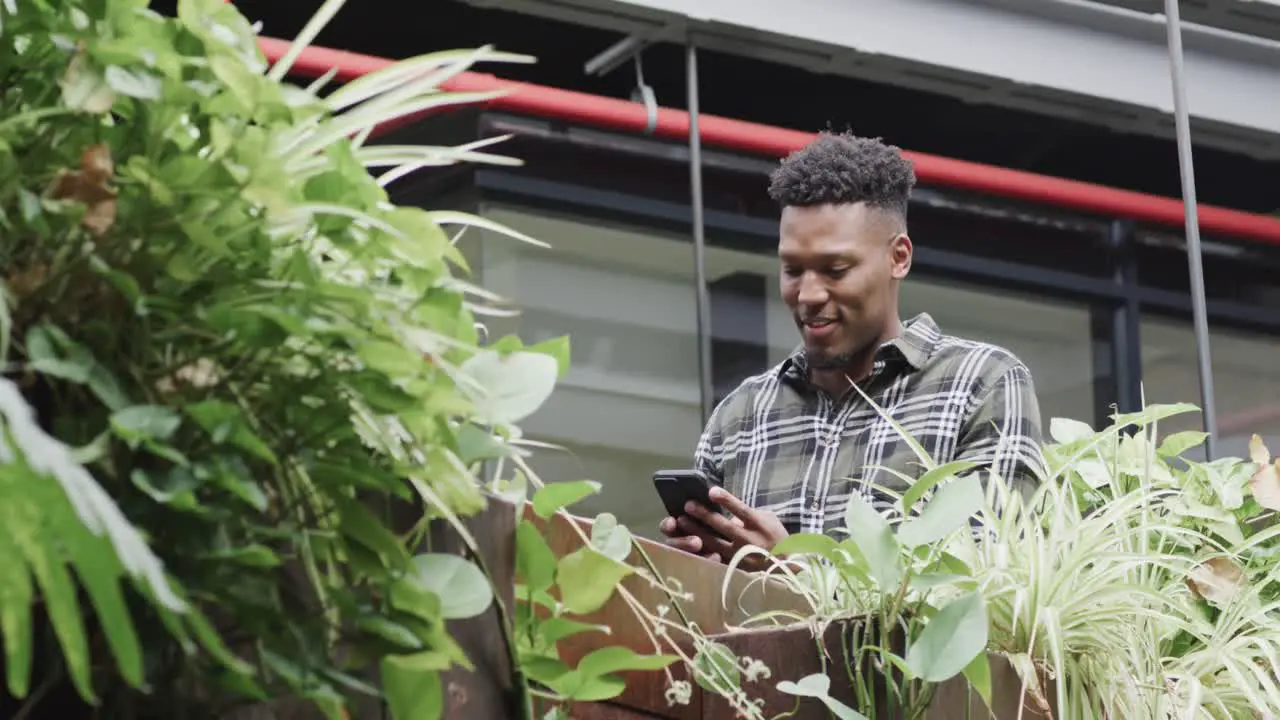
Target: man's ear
[(900, 252)]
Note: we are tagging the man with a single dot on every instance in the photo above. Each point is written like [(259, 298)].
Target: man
[(788, 446)]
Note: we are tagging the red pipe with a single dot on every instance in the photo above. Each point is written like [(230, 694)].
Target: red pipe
[(554, 103)]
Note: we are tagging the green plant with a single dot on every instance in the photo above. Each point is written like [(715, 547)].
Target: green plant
[(224, 327), (1136, 582), (892, 579)]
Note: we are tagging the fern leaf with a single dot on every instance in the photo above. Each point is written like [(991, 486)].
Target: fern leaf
[(55, 518), (15, 603)]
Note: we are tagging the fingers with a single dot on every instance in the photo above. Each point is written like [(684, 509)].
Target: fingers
[(669, 527), (710, 543), (728, 501), (731, 528), (688, 543)]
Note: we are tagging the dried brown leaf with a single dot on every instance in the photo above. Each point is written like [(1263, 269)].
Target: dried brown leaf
[(1217, 580), (1258, 451), (91, 186), (1265, 485), (23, 282)]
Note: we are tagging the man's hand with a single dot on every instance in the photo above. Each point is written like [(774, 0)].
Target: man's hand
[(687, 535), (746, 526)]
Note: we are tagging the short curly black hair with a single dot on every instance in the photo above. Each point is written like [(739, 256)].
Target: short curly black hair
[(839, 168)]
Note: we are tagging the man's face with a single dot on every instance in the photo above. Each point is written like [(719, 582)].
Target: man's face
[(840, 265)]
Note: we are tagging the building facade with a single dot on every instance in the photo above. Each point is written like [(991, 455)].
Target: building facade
[(1088, 283)]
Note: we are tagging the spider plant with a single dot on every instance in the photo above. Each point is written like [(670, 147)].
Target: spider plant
[(1132, 582)]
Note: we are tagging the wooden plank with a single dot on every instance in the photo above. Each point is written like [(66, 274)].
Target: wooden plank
[(953, 697), (790, 653), (489, 690)]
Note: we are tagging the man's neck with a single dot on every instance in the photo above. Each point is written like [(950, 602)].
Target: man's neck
[(836, 382)]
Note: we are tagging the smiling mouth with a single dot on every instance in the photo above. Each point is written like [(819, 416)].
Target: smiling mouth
[(816, 323)]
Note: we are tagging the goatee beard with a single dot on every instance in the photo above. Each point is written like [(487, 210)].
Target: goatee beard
[(821, 361)]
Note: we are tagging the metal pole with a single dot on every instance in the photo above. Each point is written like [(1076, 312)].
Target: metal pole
[(1173, 26), (703, 297)]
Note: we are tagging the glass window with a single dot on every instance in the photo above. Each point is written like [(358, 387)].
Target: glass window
[(1246, 380), (624, 293), (629, 404), (1052, 337)]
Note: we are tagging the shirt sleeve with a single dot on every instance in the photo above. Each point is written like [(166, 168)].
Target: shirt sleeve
[(1004, 433), (707, 455)]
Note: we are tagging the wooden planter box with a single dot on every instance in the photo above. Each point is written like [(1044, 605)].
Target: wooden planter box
[(791, 653)]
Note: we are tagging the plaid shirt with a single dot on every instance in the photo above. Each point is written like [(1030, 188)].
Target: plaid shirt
[(779, 443)]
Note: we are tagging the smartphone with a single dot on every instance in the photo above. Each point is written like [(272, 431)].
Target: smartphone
[(677, 487)]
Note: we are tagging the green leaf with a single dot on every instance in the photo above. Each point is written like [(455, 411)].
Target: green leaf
[(818, 686), (557, 348), (1066, 430), (475, 445), (588, 689), (16, 594), (463, 589), (390, 631), (422, 243), (951, 640), (62, 607), (1153, 413), (587, 579), (947, 511), (396, 361), (170, 487), (806, 543), (535, 562), (225, 423), (231, 474), (543, 668), (1180, 442), (513, 386), (409, 596), (551, 497), (145, 422), (610, 538), (412, 685), (553, 630), (930, 479), (99, 572), (871, 533), (978, 673), (715, 668), (360, 524), (52, 352), (620, 659)]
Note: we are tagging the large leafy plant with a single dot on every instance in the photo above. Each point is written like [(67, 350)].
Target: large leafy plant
[(220, 339)]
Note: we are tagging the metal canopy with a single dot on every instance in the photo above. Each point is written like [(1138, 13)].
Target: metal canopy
[(1101, 63), (631, 46)]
